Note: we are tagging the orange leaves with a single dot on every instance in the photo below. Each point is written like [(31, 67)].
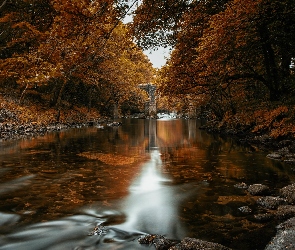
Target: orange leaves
[(110, 159), (84, 43), (6, 18), (267, 119)]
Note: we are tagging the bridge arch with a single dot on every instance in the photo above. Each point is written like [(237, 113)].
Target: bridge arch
[(150, 108)]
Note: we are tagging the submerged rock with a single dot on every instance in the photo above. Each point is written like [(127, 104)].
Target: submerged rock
[(242, 185), (271, 202), (258, 189), (245, 210), (288, 193), (264, 217), (98, 230)]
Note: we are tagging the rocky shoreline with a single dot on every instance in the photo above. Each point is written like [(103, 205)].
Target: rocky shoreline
[(14, 131), (10, 131)]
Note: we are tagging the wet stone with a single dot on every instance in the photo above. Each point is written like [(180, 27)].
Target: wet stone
[(98, 230), (288, 193), (241, 185), (263, 217), (275, 156), (161, 243), (285, 212), (258, 189), (285, 236), (191, 243), (271, 202), (245, 210)]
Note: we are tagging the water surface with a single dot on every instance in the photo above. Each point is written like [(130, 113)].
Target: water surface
[(93, 188)]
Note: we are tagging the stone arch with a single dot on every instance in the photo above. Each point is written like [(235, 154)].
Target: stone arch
[(150, 108)]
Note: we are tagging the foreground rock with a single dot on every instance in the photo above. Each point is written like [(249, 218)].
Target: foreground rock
[(285, 238), (161, 243)]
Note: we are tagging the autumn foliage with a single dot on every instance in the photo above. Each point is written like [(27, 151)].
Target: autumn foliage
[(66, 53), (235, 57), (232, 60)]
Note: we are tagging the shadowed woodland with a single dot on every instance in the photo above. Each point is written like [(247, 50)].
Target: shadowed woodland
[(233, 60)]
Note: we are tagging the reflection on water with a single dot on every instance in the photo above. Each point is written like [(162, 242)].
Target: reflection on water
[(149, 176), (152, 205)]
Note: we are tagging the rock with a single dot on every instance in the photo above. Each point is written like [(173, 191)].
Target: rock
[(263, 217), (245, 210), (271, 202), (288, 193), (241, 185), (289, 158), (161, 243), (285, 143), (285, 212), (275, 156), (98, 230), (258, 189), (114, 124), (191, 244), (285, 236)]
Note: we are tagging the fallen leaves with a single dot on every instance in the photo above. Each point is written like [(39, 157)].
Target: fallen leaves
[(110, 159)]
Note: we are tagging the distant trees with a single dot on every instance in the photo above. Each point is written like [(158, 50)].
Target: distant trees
[(47, 46), (232, 54)]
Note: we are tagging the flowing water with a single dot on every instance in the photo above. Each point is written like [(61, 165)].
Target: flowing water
[(94, 188)]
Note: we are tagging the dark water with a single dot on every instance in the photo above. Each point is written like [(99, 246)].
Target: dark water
[(159, 177)]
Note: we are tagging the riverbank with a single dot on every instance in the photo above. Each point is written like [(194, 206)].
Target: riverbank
[(22, 121)]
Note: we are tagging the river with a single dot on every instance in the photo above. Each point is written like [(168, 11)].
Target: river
[(93, 188)]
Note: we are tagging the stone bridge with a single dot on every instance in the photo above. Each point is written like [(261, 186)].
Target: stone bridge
[(150, 108)]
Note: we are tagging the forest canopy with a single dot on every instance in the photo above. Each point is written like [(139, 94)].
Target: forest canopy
[(234, 59), (231, 60), (69, 52)]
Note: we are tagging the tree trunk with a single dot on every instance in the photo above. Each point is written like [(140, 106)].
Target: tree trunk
[(59, 98), (23, 94), (272, 76)]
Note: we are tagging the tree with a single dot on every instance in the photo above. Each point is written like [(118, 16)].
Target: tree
[(85, 43), (226, 51), (244, 45)]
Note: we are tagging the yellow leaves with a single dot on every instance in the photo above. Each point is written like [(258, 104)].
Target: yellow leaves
[(110, 159)]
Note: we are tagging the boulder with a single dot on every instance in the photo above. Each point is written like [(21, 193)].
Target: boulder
[(270, 202), (285, 212), (285, 236), (191, 244), (161, 243), (258, 189), (288, 193)]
